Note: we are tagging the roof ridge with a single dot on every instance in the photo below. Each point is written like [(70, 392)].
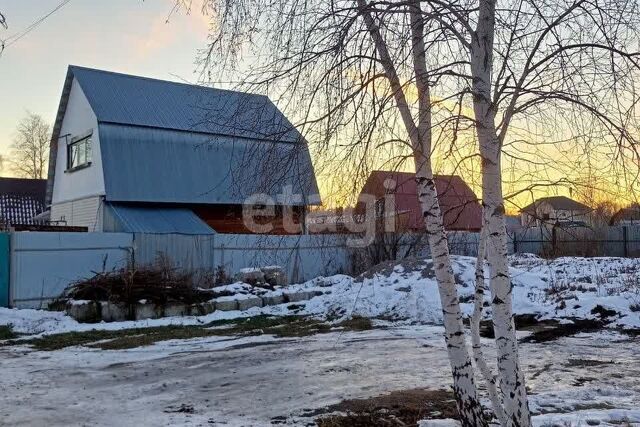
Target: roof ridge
[(155, 79), (413, 173)]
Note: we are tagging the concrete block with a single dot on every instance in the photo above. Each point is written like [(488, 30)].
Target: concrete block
[(146, 311), (112, 312), (250, 276), (203, 308), (247, 303), (272, 299), (84, 311), (226, 305), (298, 296), (274, 275), (174, 309)]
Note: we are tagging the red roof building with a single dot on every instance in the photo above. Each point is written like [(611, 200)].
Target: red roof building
[(459, 204)]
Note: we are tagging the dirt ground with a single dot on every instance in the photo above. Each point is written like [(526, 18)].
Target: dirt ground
[(263, 380)]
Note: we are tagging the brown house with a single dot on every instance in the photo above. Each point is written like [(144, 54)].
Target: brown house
[(460, 207)]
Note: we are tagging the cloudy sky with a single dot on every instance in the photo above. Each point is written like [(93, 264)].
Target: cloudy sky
[(131, 36)]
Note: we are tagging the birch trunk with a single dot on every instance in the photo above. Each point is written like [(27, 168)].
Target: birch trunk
[(464, 386), (476, 343), (512, 383)]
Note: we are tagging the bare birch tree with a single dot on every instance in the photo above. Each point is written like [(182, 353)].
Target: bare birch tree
[(30, 148), (563, 63), (366, 67), (366, 74)]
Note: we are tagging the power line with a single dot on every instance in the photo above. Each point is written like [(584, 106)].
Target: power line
[(19, 35)]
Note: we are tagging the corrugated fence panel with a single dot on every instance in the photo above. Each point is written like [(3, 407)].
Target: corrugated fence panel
[(303, 257), (192, 252), (43, 264), (633, 241)]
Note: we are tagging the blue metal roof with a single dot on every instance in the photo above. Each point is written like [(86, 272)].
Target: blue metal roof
[(160, 165), (140, 101), (135, 219)]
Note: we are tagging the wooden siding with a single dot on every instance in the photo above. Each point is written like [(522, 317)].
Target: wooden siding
[(80, 213), (228, 219)]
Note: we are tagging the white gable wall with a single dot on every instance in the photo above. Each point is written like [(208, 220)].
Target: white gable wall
[(77, 196)]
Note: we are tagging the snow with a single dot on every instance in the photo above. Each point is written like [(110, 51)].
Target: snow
[(559, 289), (247, 381), (250, 270)]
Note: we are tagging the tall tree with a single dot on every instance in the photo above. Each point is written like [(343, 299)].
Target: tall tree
[(563, 63), (365, 74), (30, 148), (367, 70)]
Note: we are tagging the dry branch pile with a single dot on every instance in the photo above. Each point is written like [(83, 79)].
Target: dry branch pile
[(155, 284)]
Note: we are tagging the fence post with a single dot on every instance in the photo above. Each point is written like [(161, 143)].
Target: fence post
[(5, 255), (515, 242), (625, 251), (554, 240)]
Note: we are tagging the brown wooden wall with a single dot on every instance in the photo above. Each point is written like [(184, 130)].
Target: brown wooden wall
[(228, 219)]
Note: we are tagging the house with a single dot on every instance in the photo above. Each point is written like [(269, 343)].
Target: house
[(555, 210), (627, 216), (512, 223), (136, 154), (21, 200), (459, 204)]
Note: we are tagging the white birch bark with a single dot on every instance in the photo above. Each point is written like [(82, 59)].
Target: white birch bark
[(464, 386), (478, 354), (512, 382)]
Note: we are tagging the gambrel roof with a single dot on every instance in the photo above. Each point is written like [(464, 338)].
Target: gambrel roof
[(139, 101), (172, 142)]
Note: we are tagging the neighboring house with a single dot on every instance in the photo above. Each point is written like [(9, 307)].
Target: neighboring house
[(512, 223), (137, 154), (21, 200), (555, 210), (459, 204), (627, 216)]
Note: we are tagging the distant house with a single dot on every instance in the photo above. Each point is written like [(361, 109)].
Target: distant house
[(512, 223), (21, 200), (555, 210), (459, 204), (143, 155), (627, 216)]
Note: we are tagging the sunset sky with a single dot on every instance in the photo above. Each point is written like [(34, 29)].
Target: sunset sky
[(130, 36), (145, 38)]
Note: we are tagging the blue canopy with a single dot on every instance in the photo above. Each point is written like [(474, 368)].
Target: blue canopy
[(158, 220)]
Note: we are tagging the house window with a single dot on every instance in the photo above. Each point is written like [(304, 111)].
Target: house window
[(79, 153)]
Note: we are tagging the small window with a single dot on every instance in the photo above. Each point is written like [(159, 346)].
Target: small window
[(79, 153)]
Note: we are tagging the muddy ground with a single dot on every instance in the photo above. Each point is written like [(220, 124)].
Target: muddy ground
[(261, 380)]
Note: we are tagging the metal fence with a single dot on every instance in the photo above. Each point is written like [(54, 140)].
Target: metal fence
[(41, 265), (616, 241), (302, 256)]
